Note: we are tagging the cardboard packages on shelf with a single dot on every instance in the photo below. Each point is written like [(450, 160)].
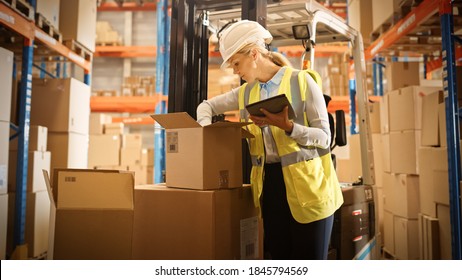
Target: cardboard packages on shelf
[(62, 105), (77, 21), (38, 137), (6, 68), (92, 214), (38, 161), (199, 157), (187, 224)]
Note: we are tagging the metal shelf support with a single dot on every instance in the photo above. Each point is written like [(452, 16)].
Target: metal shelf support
[(452, 124), (162, 76), (23, 143)]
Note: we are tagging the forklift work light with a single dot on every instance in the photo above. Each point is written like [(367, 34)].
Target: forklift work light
[(301, 32)]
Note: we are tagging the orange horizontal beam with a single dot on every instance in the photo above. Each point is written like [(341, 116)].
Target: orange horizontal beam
[(415, 18), (16, 22), (52, 44), (147, 7), (125, 51), (127, 104)]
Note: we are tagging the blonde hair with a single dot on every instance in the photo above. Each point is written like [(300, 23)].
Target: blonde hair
[(275, 57)]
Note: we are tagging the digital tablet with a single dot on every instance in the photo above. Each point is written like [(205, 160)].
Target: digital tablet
[(273, 105)]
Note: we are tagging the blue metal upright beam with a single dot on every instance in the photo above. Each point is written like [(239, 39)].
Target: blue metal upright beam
[(25, 96), (452, 124), (162, 70)]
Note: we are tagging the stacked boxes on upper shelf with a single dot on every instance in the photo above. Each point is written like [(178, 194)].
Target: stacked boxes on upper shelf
[(138, 86)]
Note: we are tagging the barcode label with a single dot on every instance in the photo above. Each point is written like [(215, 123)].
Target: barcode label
[(249, 238), (69, 179), (249, 250), (172, 142)]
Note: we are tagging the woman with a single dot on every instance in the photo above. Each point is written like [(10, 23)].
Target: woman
[(293, 178)]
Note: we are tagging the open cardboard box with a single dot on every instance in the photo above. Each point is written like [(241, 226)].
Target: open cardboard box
[(202, 158), (91, 214)]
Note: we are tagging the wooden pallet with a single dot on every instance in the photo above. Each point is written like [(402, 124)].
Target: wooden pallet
[(104, 44), (46, 26), (79, 49), (21, 7)]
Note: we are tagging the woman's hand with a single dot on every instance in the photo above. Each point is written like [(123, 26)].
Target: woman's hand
[(280, 119)]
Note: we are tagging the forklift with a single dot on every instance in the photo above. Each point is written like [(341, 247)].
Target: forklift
[(354, 234)]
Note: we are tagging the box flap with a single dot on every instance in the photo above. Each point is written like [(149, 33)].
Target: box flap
[(228, 124), (246, 134), (48, 184), (175, 120), (93, 189)]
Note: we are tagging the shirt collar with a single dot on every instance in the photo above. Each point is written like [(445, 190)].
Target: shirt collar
[(276, 79)]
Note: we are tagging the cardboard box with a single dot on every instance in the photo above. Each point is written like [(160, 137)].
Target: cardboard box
[(427, 201), (114, 128), (199, 157), (130, 156), (103, 150), (405, 107), (132, 140), (360, 17), (37, 223), (62, 105), (4, 143), (38, 161), (92, 214), (404, 147), (429, 238), (38, 137), (402, 195), (140, 173), (3, 224), (377, 146), (77, 17), (50, 10), (442, 124), (385, 113), (441, 187), (389, 235), (374, 117), (6, 80), (406, 238), (213, 224), (97, 122), (401, 74), (430, 132), (69, 150), (386, 153), (444, 219), (382, 11)]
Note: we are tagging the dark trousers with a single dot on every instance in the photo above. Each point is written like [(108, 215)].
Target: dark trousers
[(284, 237)]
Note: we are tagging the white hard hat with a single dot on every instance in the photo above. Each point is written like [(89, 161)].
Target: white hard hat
[(240, 34)]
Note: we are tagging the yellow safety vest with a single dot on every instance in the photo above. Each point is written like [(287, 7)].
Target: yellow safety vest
[(312, 187)]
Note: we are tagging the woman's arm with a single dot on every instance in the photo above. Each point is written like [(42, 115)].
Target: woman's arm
[(318, 131), (217, 105)]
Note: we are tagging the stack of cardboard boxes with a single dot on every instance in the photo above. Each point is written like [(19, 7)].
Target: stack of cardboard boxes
[(63, 106), (138, 86), (38, 204), (202, 212), (6, 66), (111, 148)]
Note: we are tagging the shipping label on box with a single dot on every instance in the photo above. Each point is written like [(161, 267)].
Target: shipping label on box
[(249, 238)]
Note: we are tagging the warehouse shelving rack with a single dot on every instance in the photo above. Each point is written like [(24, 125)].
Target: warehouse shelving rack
[(421, 22), (141, 104), (34, 41)]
